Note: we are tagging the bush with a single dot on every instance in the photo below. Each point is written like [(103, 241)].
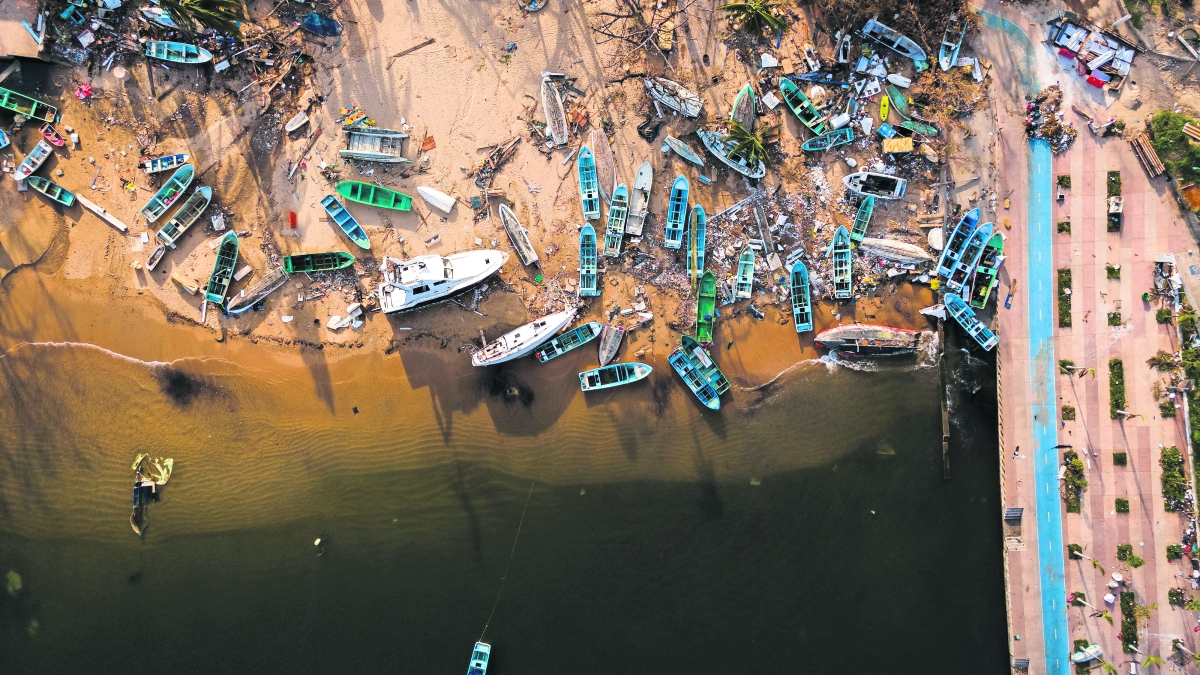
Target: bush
[(1163, 315), (1114, 222), (1174, 483), (1187, 324), (1161, 361), (1114, 183), (1129, 636), (1124, 551), (1116, 388), (1064, 181), (1122, 505), (1172, 146), (1120, 459), (1112, 271), (1135, 561), (1166, 408), (1074, 551), (1064, 298), (1064, 227), (1114, 318), (1068, 412), (1073, 483), (1176, 597), (1174, 552), (1064, 364), (1078, 601)]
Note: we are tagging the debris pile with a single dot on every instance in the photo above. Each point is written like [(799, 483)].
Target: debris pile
[(1044, 120)]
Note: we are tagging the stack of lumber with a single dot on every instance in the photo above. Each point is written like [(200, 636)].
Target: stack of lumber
[(1145, 152)]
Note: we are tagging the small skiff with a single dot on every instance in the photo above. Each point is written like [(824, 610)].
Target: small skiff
[(695, 365), (257, 291), (972, 252), (639, 200), (877, 184), (674, 96), (588, 262), (51, 189), (187, 214), (437, 199), (801, 298), (744, 286), (374, 195), (951, 42), (222, 272), (684, 151), (300, 119), (617, 212), (898, 100), (743, 107), (606, 168), (159, 17), (51, 134), (953, 248), (576, 337), (843, 49), (722, 148), (862, 219), (613, 376), (676, 212), (29, 107), (842, 286), (169, 193), (801, 107), (518, 235), (899, 80), (342, 218), (829, 140), (33, 161), (589, 191), (317, 262), (893, 40), (156, 257), (610, 342), (522, 340), (157, 164), (965, 317), (923, 129), (556, 117), (697, 228), (706, 307), (177, 52)]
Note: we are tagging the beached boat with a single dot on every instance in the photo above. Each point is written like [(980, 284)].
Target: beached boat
[(842, 51), (893, 39), (1088, 653), (588, 262), (33, 161), (985, 275), (374, 144), (722, 148), (810, 58), (343, 219), (801, 107), (159, 16), (157, 164), (965, 317), (639, 200), (187, 214), (829, 140), (51, 189), (666, 35), (895, 250), (878, 184), (683, 150), (517, 235), (613, 376), (801, 298), (257, 291), (617, 212), (695, 365), (706, 307), (606, 167), (860, 339), (156, 257), (899, 80), (29, 107), (177, 52), (898, 100), (972, 251), (556, 117), (533, 5), (576, 337), (169, 193), (51, 134), (4, 140), (953, 248), (674, 95), (522, 340), (222, 271), (862, 219), (319, 24), (479, 657), (676, 213), (744, 285), (610, 342), (317, 262), (951, 42), (408, 284), (374, 195), (437, 199), (743, 111), (298, 120), (917, 127), (589, 191), (697, 229), (842, 282), (884, 108)]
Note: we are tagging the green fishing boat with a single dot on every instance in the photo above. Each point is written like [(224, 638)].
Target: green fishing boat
[(842, 286), (169, 193), (317, 262), (899, 100), (862, 219), (801, 298), (374, 195), (697, 229), (29, 107), (613, 376), (745, 275), (589, 186), (695, 365), (569, 340), (617, 210), (187, 214), (800, 106), (923, 129), (177, 52), (222, 272), (51, 189), (986, 273), (829, 140), (706, 307)]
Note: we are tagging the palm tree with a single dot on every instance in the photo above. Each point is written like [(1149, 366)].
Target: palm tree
[(1107, 617), (755, 16), (1153, 661), (1108, 668), (193, 15), (752, 145)]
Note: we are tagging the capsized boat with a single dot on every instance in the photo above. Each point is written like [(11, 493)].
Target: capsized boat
[(576, 337), (606, 167), (613, 376), (257, 291), (522, 340), (29, 107), (674, 95), (801, 298), (683, 150), (148, 475), (342, 218), (883, 108), (745, 276), (676, 213), (52, 190), (860, 339), (319, 24), (965, 317), (953, 248), (801, 107), (159, 16), (374, 144), (222, 271), (743, 107), (862, 219), (1089, 653), (610, 342), (588, 262), (899, 80), (298, 120), (829, 140), (895, 250), (951, 42), (51, 134), (589, 191), (317, 262), (878, 184), (556, 116), (899, 100), (706, 307), (972, 251), (722, 148), (985, 275), (479, 657), (374, 195), (893, 39), (639, 200), (33, 161), (408, 284), (695, 365), (437, 199), (156, 164), (187, 214), (923, 129), (697, 228), (617, 212), (177, 52), (517, 235), (168, 193), (842, 286)]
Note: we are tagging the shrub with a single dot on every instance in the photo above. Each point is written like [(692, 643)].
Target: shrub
[(1166, 408), (1074, 551), (1135, 16), (1122, 505), (1064, 298), (1116, 388), (1187, 324), (1073, 483), (1078, 600), (1135, 561), (1064, 181), (1176, 597), (1161, 361), (1114, 318), (1120, 459), (1112, 271), (1174, 552), (1163, 315), (1068, 412), (1064, 227), (1124, 551), (1080, 644), (1114, 183), (1174, 484), (1172, 146), (1129, 628), (1064, 365), (1114, 222)]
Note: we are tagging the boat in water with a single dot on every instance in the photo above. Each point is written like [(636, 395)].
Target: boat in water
[(29, 107), (639, 200), (985, 275), (419, 281), (840, 248), (801, 107), (695, 365), (972, 252), (862, 219), (33, 161), (257, 291), (437, 199), (965, 316), (617, 212), (684, 150), (610, 342), (556, 116), (613, 376), (517, 235), (168, 193), (374, 144), (895, 250), (877, 184), (801, 298), (222, 271), (606, 167), (722, 147), (893, 39), (374, 195), (697, 229), (52, 190), (860, 339), (952, 249), (483, 651), (342, 218), (156, 164), (744, 286), (576, 337), (522, 340), (589, 281), (676, 213), (317, 262), (177, 52), (674, 95), (951, 42), (187, 215), (706, 307), (744, 107), (589, 191), (148, 475), (829, 140)]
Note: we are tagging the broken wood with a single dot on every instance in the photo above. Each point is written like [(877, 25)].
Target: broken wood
[(408, 51), (1145, 152)]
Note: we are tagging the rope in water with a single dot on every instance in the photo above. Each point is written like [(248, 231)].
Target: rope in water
[(510, 557)]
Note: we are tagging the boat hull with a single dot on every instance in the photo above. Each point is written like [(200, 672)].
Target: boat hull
[(676, 213), (639, 199), (317, 262), (374, 195), (589, 191), (674, 96), (700, 373), (437, 199), (721, 147), (610, 342), (617, 212), (684, 151), (745, 276), (517, 235), (866, 340), (843, 286), (952, 249), (572, 339), (521, 341), (168, 193), (588, 262), (606, 167), (801, 298), (556, 116), (258, 291), (706, 305), (613, 376), (345, 221), (743, 107), (222, 272)]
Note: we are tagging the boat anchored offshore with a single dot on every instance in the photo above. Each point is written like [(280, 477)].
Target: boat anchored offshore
[(610, 342), (723, 148), (706, 307), (518, 235), (576, 337), (522, 340), (877, 184), (697, 229), (342, 218), (588, 262), (613, 376), (408, 284), (33, 161), (639, 200), (52, 190), (479, 657), (745, 276), (695, 365), (317, 262), (972, 251), (860, 339), (374, 195), (222, 271), (676, 213), (617, 212), (863, 218), (952, 250), (965, 317), (674, 96), (985, 275), (893, 39), (801, 298), (589, 192), (842, 286), (168, 193), (801, 107)]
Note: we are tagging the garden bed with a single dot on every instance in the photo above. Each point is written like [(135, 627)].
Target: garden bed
[(1174, 482), (1073, 483), (1116, 388), (1064, 298)]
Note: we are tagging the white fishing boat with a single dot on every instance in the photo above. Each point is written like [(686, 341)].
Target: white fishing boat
[(639, 200), (437, 199), (408, 284), (722, 148), (674, 96), (518, 235), (895, 250), (522, 340), (878, 184), (374, 144), (893, 39), (299, 120), (556, 117), (33, 161)]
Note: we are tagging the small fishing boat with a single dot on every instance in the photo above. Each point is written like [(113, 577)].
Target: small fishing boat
[(522, 340), (157, 164), (697, 229), (606, 167), (985, 275), (156, 257), (674, 96), (743, 107), (556, 117), (479, 657), (33, 161), (51, 134), (683, 150), (298, 120), (899, 80), (952, 250), (695, 365), (617, 212), (187, 214), (518, 236), (860, 339), (610, 342), (893, 40), (722, 148), (842, 286), (533, 5), (588, 262), (257, 291), (972, 252), (965, 317), (342, 218), (425, 279), (374, 195), (842, 52), (177, 52), (898, 100), (895, 250), (676, 213), (51, 189), (951, 42), (829, 140), (319, 24), (706, 307), (883, 108), (29, 107), (744, 286), (1089, 653), (810, 58), (437, 199), (923, 129), (878, 184), (862, 219), (613, 376), (222, 271), (4, 140), (576, 337), (159, 17), (801, 298), (801, 107), (169, 193), (589, 191), (374, 144), (148, 474), (317, 262), (639, 201)]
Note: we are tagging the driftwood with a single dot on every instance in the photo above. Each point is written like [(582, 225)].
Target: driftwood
[(408, 51)]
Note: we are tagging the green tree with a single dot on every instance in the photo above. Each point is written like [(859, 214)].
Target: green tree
[(752, 145), (194, 15), (755, 16), (1153, 661)]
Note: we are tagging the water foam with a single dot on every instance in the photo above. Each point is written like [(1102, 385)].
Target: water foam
[(88, 345)]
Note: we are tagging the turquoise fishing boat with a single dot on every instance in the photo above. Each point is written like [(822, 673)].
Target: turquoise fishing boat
[(972, 252), (169, 193), (479, 659), (985, 275), (576, 337), (829, 140), (187, 214), (156, 164), (177, 52), (588, 277), (745, 276), (29, 107), (51, 189), (801, 298), (899, 101), (344, 220), (695, 365), (617, 210), (862, 219), (697, 229), (842, 286), (589, 188), (613, 376), (953, 247), (222, 272), (917, 127), (724, 148), (965, 317), (676, 212), (706, 307), (801, 107)]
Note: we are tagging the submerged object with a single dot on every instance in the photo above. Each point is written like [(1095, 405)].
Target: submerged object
[(972, 251), (951, 42), (893, 39), (257, 291), (177, 52), (695, 365), (723, 149), (706, 306), (374, 195), (148, 475), (606, 167), (639, 200), (168, 193), (318, 24), (588, 262), (33, 161), (985, 275), (674, 95), (610, 342), (965, 317), (518, 236), (552, 107), (317, 262), (522, 340), (408, 284), (683, 150), (617, 212), (697, 229), (829, 140), (374, 144), (613, 376), (187, 214), (576, 337), (52, 190), (953, 248), (163, 163), (878, 184), (842, 286), (801, 107), (862, 219), (801, 298), (589, 192), (222, 271), (745, 275), (743, 107), (895, 250), (437, 199), (860, 339), (676, 213), (342, 218), (29, 107)]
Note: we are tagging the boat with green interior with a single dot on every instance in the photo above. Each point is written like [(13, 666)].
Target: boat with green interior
[(169, 193), (52, 190), (988, 270), (801, 298), (706, 307), (862, 219), (222, 272), (317, 262), (801, 107), (576, 337), (29, 107), (374, 195), (185, 217)]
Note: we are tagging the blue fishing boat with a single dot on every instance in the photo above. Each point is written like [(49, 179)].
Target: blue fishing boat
[(589, 188), (965, 317), (695, 365), (745, 276), (587, 262), (617, 210), (344, 220), (177, 52), (842, 286), (697, 228), (970, 258), (952, 249), (862, 219), (168, 193), (576, 337), (676, 213), (801, 298), (613, 376)]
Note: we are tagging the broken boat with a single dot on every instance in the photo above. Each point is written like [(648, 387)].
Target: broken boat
[(674, 95), (148, 474), (168, 193), (985, 275), (522, 340), (840, 248), (343, 219), (743, 110), (801, 298), (606, 168), (257, 291), (164, 163), (695, 365), (684, 150), (829, 140), (676, 213), (895, 250), (706, 307), (878, 184), (610, 342), (860, 339), (576, 337), (801, 107), (556, 116), (744, 286), (374, 195), (972, 251), (617, 212), (374, 144), (697, 228), (893, 40), (588, 262), (951, 42), (419, 281), (29, 107), (613, 376), (222, 271), (639, 200), (518, 235), (723, 149)]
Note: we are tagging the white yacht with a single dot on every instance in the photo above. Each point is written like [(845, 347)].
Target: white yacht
[(522, 340), (408, 284)]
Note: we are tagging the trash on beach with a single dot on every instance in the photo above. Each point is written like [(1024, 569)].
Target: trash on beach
[(286, 318)]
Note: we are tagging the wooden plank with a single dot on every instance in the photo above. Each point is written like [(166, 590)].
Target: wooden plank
[(102, 213), (1146, 154), (1192, 130), (408, 51)]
